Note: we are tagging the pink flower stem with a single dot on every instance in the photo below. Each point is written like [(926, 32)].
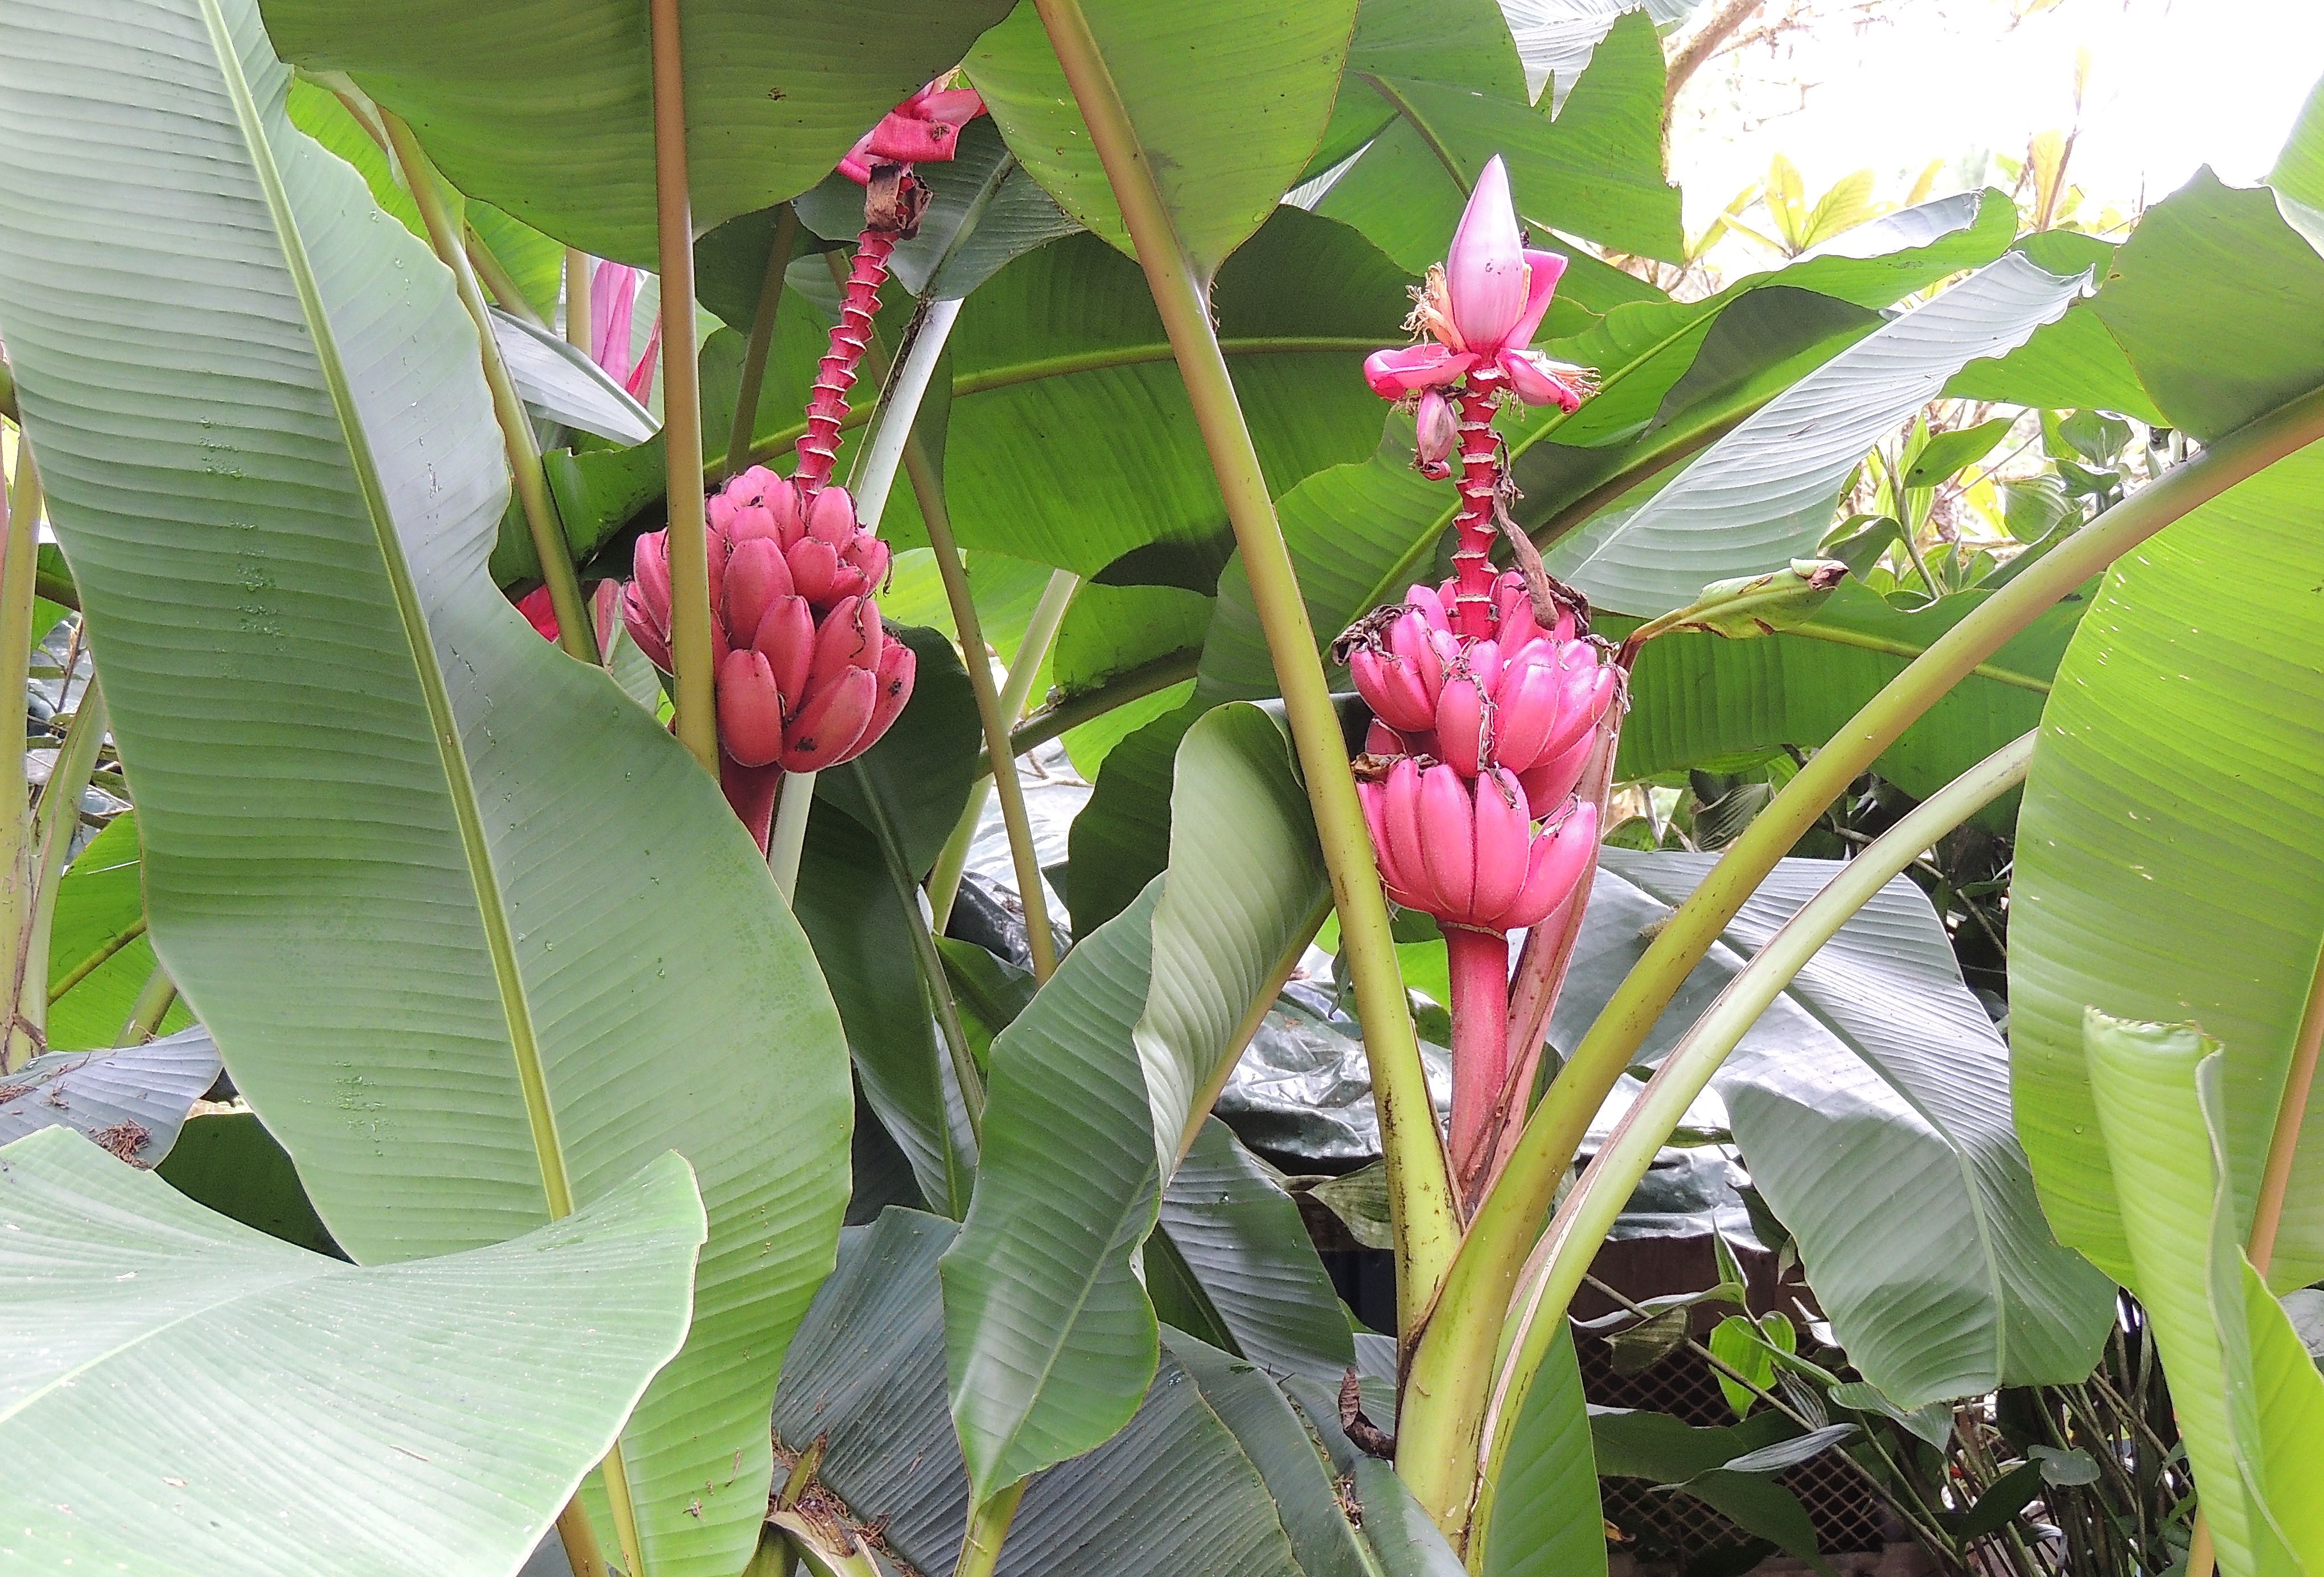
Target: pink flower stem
[(834, 375), (750, 791), (1480, 963), (1481, 479)]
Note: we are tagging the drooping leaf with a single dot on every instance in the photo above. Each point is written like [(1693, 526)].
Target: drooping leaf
[(774, 95), (563, 385), (380, 815), (1189, 1486), (2164, 870), (1227, 101), (1096, 1089), (371, 1417), (1252, 1263), (1121, 841), (856, 921), (1287, 1454), (131, 1101), (1871, 1104), (1764, 493), (2249, 1401)]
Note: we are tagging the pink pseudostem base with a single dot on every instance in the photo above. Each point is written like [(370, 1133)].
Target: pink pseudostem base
[(1480, 964)]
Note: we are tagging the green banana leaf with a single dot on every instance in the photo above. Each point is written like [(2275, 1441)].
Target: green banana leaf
[(1595, 170), (1696, 697), (1546, 1519), (1871, 1105), (1464, 42), (226, 1161), (437, 1413), (1227, 101), (381, 815), (1207, 1480), (2163, 869), (1764, 493), (1096, 1089), (2249, 1399), (549, 112), (1232, 1254)]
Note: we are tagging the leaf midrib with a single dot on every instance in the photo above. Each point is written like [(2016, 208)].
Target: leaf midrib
[(444, 726)]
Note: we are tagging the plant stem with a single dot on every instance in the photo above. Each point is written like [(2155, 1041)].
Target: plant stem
[(624, 1509), (1420, 1190), (1023, 855), (762, 340), (1564, 1256), (981, 1550), (692, 686), (20, 519), (152, 1005), (1173, 667), (547, 532), (1032, 651), (794, 802), (1464, 1330), (2292, 1109), (496, 278), (1040, 634), (54, 823), (1480, 966), (580, 1540), (874, 477), (577, 313), (99, 958)]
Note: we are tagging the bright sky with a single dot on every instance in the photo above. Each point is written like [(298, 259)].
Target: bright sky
[(2174, 84)]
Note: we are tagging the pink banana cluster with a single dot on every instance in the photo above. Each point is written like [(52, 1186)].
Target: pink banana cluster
[(806, 676), (1475, 739), (1486, 720)]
